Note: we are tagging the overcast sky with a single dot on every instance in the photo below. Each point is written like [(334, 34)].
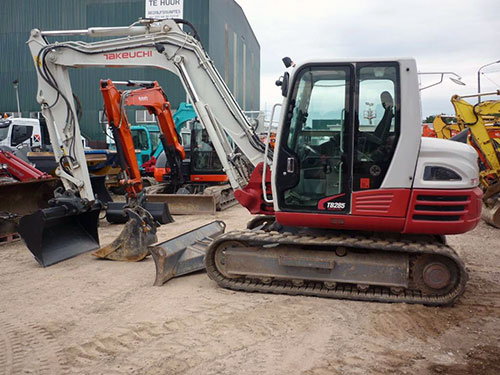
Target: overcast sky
[(442, 35)]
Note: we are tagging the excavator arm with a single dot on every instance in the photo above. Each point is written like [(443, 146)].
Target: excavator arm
[(161, 45), (155, 100), (155, 44), (118, 123), (473, 117)]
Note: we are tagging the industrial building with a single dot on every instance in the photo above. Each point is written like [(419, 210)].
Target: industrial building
[(221, 24)]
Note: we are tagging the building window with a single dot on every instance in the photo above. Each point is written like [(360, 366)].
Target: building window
[(143, 116), (235, 65), (226, 54), (37, 115), (103, 119), (252, 83), (244, 74)]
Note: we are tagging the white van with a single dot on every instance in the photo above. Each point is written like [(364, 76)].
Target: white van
[(16, 131)]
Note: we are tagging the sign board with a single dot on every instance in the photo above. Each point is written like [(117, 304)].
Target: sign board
[(163, 9)]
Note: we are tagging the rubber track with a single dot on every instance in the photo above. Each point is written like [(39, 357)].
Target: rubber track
[(342, 291)]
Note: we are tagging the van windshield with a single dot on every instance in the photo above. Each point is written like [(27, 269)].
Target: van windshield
[(4, 129)]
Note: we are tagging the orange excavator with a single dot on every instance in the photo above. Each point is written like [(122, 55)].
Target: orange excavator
[(118, 212)]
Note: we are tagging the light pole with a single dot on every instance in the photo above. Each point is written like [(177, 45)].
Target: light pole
[(479, 78), (16, 87)]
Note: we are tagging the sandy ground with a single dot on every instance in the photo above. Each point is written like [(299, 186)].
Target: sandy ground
[(87, 316)]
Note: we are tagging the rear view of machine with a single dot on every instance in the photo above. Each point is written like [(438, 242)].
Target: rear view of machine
[(23, 188)]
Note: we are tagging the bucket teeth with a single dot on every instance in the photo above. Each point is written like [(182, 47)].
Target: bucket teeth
[(132, 243)]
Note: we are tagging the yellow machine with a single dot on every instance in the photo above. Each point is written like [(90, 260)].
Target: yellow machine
[(484, 139), (446, 127)]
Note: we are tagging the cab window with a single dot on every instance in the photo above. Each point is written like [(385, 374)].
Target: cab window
[(20, 133), (377, 123), (140, 138), (316, 136)]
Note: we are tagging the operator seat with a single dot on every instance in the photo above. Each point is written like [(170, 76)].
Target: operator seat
[(383, 127)]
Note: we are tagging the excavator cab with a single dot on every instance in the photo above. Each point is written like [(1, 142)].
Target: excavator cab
[(204, 164), (332, 145)]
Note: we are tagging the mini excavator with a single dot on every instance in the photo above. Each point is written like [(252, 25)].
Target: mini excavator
[(346, 209)]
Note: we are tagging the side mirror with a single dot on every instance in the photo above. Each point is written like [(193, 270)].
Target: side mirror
[(284, 84), (287, 61)]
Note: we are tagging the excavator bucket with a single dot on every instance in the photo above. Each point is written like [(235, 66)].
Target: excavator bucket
[(491, 214), (115, 212), (99, 188), (23, 198), (132, 243), (54, 234), (491, 205), (186, 204), (184, 254)]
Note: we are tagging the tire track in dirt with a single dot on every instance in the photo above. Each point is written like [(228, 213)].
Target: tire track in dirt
[(223, 335), (30, 349)]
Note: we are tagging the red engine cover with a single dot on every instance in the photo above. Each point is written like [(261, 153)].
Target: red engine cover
[(421, 211)]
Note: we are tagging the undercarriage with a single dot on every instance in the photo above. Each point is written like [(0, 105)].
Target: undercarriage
[(349, 265)]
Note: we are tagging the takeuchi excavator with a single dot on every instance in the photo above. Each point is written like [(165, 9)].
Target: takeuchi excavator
[(346, 209)]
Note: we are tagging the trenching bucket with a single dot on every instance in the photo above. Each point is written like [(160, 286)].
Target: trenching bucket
[(116, 214), (132, 243), (54, 234)]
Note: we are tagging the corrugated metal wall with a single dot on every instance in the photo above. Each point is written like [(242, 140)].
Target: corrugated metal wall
[(208, 16), (233, 45)]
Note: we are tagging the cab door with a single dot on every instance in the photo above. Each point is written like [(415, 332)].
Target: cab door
[(314, 169)]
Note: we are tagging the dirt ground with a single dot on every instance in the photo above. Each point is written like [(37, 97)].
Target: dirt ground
[(88, 316)]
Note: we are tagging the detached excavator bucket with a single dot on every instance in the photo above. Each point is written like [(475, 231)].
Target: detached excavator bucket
[(491, 214), (132, 243), (187, 204), (54, 234), (99, 188), (185, 253)]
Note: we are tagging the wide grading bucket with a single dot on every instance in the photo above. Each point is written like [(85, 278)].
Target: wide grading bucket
[(55, 234), (186, 204), (185, 253)]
